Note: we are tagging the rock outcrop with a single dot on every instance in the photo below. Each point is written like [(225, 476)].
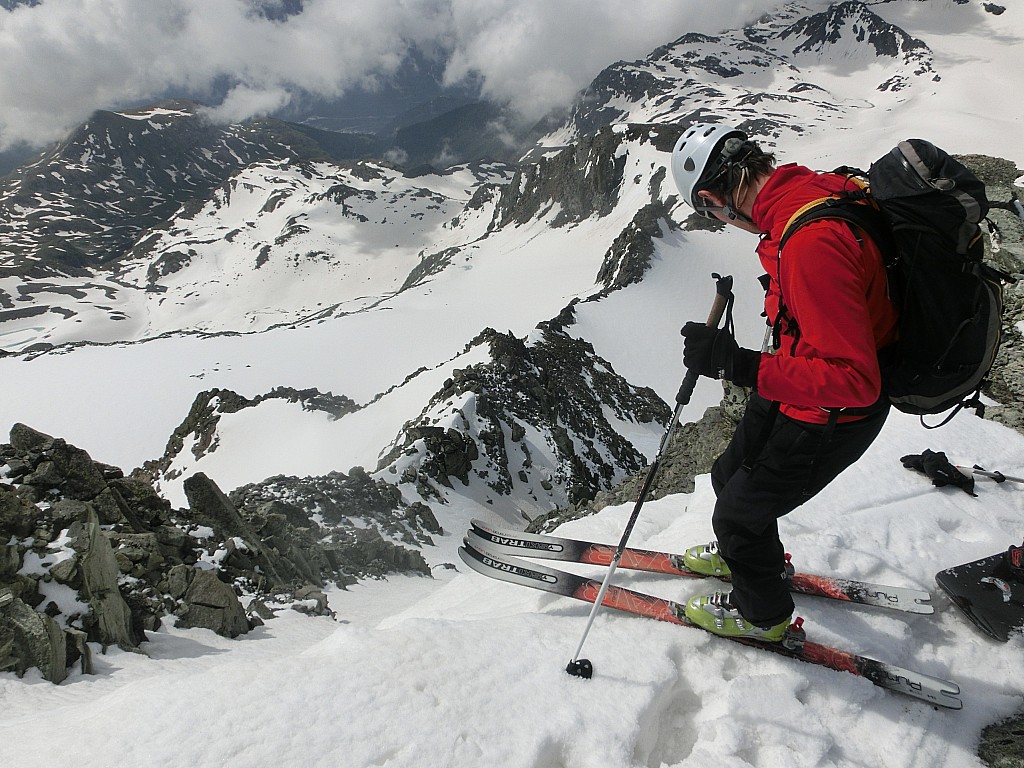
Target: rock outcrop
[(89, 556), (1004, 249), (199, 428), (537, 421)]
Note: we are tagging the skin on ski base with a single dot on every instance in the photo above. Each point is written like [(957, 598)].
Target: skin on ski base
[(591, 553), (933, 690), (988, 593)]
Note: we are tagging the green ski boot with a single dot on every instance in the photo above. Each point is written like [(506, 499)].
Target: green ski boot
[(718, 615), (706, 560)]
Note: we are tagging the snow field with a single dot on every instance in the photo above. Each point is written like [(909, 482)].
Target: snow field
[(464, 671)]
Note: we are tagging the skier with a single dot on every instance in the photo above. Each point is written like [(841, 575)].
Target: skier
[(816, 403)]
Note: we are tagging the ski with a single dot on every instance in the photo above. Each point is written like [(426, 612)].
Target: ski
[(534, 545), (990, 592), (511, 569)]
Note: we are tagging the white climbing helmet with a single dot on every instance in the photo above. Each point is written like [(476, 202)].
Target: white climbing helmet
[(699, 156)]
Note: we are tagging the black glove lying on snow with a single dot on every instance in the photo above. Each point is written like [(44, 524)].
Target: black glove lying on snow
[(713, 352), (937, 467)]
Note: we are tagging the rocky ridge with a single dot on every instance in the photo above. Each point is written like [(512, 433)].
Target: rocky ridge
[(94, 557), (535, 424), (199, 428)]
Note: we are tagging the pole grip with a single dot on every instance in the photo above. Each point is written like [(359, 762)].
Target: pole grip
[(723, 296)]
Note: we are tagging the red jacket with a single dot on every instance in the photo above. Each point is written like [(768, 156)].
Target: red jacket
[(835, 289)]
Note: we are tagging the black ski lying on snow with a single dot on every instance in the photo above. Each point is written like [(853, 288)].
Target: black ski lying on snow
[(534, 545), (934, 690), (990, 591)]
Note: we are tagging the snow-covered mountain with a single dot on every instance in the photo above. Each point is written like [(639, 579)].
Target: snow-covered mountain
[(84, 203), (500, 340), (785, 74)]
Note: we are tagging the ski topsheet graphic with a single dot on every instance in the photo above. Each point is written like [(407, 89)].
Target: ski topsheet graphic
[(502, 542), (511, 569)]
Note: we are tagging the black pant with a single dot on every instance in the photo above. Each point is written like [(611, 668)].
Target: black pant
[(797, 461)]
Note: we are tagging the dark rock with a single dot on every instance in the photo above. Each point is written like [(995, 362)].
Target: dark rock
[(46, 476), (109, 619), (137, 554), (556, 385), (26, 440), (1002, 744), (114, 510), (209, 504), (582, 180), (209, 603), (259, 609), (78, 651), (148, 508), (82, 478), (630, 254), (10, 561), (17, 515), (344, 503), (693, 450), (29, 638), (372, 555), (419, 513), (1004, 249), (178, 579), (454, 453), (66, 512), (32, 494), (276, 554), (312, 601)]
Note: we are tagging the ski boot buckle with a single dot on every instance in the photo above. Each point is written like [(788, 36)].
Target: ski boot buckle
[(795, 635)]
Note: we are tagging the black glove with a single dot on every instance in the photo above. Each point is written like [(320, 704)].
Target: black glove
[(713, 352), (937, 467)]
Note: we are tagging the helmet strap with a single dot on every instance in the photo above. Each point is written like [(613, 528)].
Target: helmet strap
[(730, 209)]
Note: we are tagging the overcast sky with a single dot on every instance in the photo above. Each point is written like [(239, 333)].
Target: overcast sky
[(62, 59)]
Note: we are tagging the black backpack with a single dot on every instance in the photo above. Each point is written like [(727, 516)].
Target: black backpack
[(923, 210)]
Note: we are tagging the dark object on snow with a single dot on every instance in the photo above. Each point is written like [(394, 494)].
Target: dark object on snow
[(580, 668), (937, 467), (990, 591)]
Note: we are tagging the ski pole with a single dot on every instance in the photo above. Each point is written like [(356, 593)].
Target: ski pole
[(999, 477), (578, 667)]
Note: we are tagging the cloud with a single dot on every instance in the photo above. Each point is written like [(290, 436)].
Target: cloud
[(243, 102), (63, 59)]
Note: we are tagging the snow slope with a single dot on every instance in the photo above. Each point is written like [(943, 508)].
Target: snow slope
[(462, 671)]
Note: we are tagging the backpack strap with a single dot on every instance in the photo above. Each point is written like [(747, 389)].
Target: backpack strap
[(856, 208), (853, 208)]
